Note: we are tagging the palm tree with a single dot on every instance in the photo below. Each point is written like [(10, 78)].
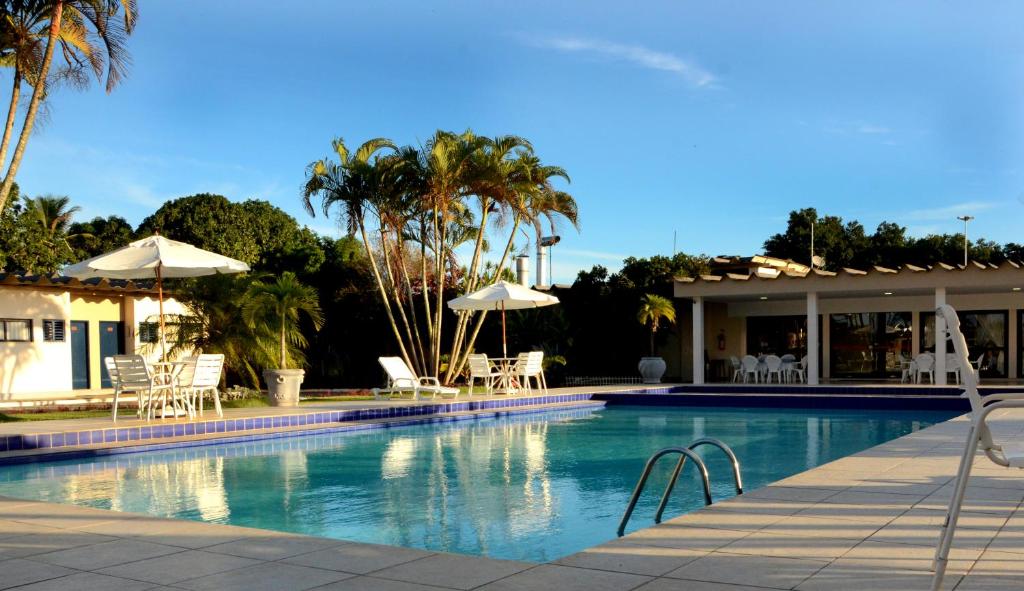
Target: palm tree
[(654, 309), (214, 324), (53, 214), (279, 306), (88, 33)]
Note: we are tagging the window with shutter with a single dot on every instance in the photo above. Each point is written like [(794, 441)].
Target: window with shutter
[(15, 329), (53, 331)]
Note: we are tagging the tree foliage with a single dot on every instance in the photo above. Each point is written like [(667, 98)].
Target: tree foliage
[(254, 232)]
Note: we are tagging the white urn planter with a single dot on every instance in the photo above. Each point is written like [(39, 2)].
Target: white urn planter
[(283, 386), (651, 369)]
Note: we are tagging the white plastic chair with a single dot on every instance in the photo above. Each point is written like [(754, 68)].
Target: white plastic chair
[(909, 371), (481, 369), (737, 369), (135, 375), (201, 376), (1009, 454), (953, 366), (531, 366), (925, 365), (402, 379), (751, 367), (112, 372), (773, 366)]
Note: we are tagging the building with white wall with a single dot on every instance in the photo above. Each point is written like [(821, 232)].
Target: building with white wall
[(852, 324), (55, 332)]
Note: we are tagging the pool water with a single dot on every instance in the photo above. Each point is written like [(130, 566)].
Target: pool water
[(528, 487)]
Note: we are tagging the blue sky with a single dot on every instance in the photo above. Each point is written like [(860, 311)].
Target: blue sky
[(710, 119)]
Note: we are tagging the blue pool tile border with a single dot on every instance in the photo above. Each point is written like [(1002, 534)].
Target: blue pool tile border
[(583, 403), (157, 431)]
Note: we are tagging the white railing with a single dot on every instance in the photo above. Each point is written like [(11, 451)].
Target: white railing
[(601, 380)]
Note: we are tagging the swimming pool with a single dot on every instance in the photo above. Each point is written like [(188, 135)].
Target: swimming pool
[(529, 487)]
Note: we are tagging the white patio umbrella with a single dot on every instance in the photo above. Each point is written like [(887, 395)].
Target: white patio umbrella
[(503, 296), (155, 257)]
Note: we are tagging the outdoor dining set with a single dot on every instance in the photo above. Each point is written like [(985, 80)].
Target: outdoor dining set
[(497, 375), (914, 370), (177, 387), (769, 368)]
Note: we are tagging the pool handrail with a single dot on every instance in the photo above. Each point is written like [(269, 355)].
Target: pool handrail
[(737, 479), (683, 451)]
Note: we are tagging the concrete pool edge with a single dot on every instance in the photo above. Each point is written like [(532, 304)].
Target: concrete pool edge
[(738, 542)]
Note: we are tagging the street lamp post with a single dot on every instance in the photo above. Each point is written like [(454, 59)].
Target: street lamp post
[(965, 219)]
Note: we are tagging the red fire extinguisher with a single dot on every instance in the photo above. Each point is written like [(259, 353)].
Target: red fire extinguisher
[(721, 341)]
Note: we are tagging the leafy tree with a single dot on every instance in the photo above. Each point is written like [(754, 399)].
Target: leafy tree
[(33, 235), (99, 235), (254, 232), (88, 32), (277, 307), (214, 324), (841, 245), (653, 309)]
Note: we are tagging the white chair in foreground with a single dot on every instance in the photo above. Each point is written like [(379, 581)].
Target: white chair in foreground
[(751, 367), (773, 367), (953, 366), (108, 362), (201, 376), (737, 369), (1009, 454), (925, 365), (136, 376), (481, 369), (402, 379), (531, 366)]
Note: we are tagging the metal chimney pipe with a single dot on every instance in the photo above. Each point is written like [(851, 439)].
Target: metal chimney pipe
[(542, 266), (523, 270)]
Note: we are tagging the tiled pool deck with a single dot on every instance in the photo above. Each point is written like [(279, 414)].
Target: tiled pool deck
[(866, 521)]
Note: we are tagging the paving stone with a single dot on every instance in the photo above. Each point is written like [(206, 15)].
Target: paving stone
[(771, 544), (565, 578), (270, 546), (684, 585), (57, 539), (671, 535), (358, 558), (375, 584), (624, 557), (88, 582), (97, 556), (270, 576), (453, 570), (759, 571), (185, 565), (18, 571)]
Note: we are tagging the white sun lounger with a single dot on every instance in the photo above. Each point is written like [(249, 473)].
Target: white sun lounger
[(402, 379), (1007, 453)]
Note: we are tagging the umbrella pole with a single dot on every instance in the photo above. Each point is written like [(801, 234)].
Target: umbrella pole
[(160, 299), (504, 343)]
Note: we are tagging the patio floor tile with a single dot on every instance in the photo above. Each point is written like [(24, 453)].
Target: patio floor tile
[(18, 571), (270, 576), (170, 569), (566, 578), (623, 557), (760, 571), (97, 556), (453, 570), (358, 558)]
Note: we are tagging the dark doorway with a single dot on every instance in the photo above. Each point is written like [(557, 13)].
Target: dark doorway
[(869, 345), (79, 355), (111, 343)]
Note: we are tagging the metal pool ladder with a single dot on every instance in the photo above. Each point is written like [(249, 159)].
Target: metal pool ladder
[(684, 453)]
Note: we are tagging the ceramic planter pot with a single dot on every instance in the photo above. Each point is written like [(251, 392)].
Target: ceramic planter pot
[(283, 386), (651, 369)]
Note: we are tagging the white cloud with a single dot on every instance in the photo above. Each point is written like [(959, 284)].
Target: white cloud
[(590, 254), (635, 54), (856, 128), (948, 212)]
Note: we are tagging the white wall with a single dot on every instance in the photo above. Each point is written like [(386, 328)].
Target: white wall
[(147, 309), (36, 366)]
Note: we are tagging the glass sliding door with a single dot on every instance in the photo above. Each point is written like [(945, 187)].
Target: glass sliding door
[(986, 334), (869, 345), (777, 335)]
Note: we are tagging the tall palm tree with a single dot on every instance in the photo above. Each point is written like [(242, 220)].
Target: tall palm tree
[(653, 309), (53, 214), (88, 33), (278, 306)]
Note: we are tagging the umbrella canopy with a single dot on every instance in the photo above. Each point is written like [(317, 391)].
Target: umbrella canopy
[(156, 257), (503, 296)]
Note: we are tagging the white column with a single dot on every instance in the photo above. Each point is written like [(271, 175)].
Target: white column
[(812, 338), (940, 339), (698, 340)]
